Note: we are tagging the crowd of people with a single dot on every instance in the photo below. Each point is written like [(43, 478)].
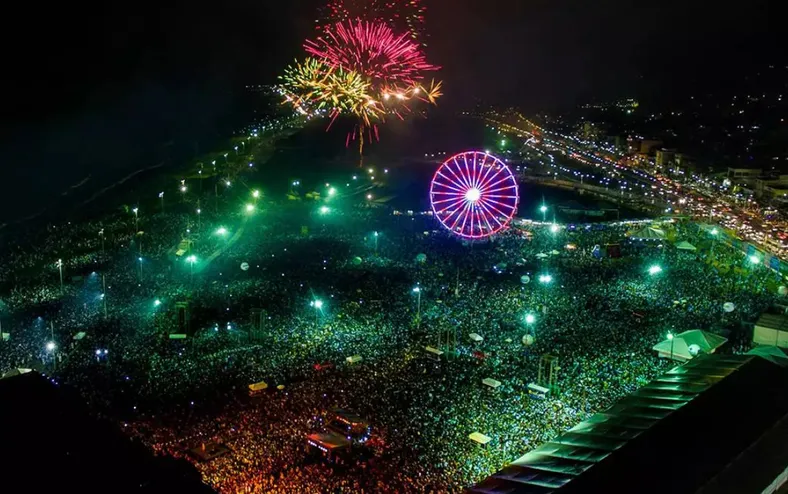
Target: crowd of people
[(251, 296)]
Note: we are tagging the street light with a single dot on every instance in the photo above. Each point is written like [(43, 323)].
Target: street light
[(156, 303), (51, 346), (545, 279), (221, 231), (332, 191), (755, 259), (325, 210), (417, 291), (136, 218), (554, 228), (375, 235), (543, 209), (655, 269), (530, 319), (318, 305), (250, 208), (191, 260), (670, 337), (255, 194), (139, 259), (60, 268)]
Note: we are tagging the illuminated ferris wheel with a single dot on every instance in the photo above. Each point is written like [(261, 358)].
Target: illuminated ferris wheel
[(474, 194)]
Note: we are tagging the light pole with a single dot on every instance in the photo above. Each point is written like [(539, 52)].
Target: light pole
[(191, 260), (670, 337), (376, 235), (417, 291), (60, 268), (543, 209), (654, 270), (530, 319), (104, 293), (139, 262), (136, 220), (714, 233), (318, 305), (161, 196), (51, 347)]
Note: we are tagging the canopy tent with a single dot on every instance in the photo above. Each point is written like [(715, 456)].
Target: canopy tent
[(689, 344), (771, 353), (771, 329), (16, 372), (648, 233), (684, 245), (476, 337), (258, 386), (353, 359), (487, 381), (480, 438)]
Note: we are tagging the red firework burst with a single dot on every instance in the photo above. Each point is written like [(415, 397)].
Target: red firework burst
[(372, 49), (401, 15)]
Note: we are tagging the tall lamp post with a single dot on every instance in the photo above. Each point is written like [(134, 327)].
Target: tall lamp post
[(543, 209), (714, 233), (376, 235), (318, 305), (417, 291), (670, 337), (191, 260), (60, 268)]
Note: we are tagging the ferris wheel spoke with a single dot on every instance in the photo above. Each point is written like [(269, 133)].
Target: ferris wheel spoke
[(447, 196), (462, 178), (490, 214), (455, 201), (490, 203), (487, 192), (453, 186), (499, 196), (488, 186), (462, 214), (457, 178), (483, 179), (453, 207), (507, 207), (470, 174), (487, 216)]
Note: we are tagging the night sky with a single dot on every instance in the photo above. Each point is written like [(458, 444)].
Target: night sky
[(108, 85)]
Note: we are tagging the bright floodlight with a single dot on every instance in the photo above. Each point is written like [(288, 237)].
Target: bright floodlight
[(654, 270), (375, 234), (51, 346), (324, 210), (543, 209), (221, 231), (98, 352), (530, 319), (545, 278), (755, 259), (227, 183), (255, 194), (416, 290), (249, 208), (192, 259), (473, 195), (369, 197), (156, 303), (670, 336), (554, 228), (714, 231), (318, 304), (332, 191), (135, 210), (183, 188)]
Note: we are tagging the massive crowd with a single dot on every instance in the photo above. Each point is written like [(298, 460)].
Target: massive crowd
[(599, 315)]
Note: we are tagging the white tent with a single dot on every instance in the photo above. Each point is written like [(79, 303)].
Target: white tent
[(684, 245), (491, 382), (689, 344), (353, 359), (16, 372), (476, 337), (480, 438), (648, 233)]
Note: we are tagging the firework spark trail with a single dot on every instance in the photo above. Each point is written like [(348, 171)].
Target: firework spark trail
[(371, 49), (404, 16)]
